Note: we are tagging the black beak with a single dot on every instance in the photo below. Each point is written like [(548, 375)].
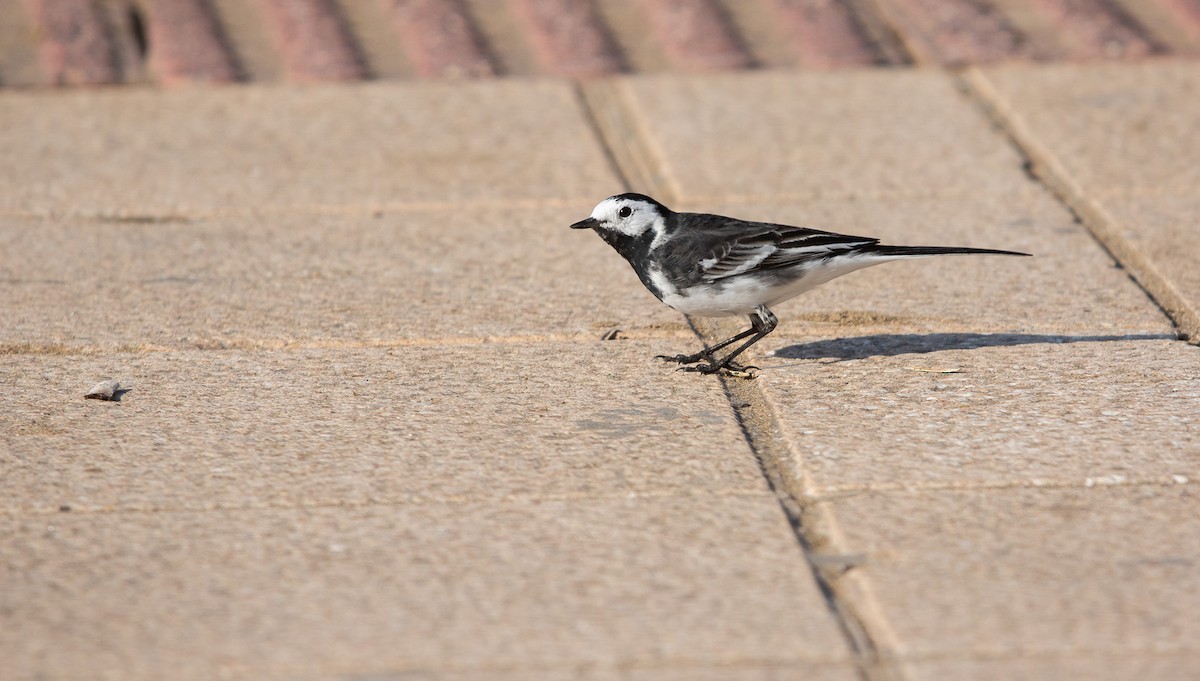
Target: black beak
[(589, 223)]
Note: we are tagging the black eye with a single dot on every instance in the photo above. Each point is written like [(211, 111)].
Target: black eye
[(624, 212)]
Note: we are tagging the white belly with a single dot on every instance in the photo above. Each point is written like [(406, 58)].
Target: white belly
[(741, 295), (737, 298)]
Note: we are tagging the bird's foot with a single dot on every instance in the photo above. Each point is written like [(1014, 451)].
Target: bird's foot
[(684, 359), (728, 368), (743, 372)]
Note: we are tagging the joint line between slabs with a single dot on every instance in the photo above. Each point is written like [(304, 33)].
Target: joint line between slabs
[(760, 426), (583, 97), (629, 149), (283, 345), (627, 145), (893, 489), (909, 45), (66, 510), (1045, 169), (889, 40), (188, 215)]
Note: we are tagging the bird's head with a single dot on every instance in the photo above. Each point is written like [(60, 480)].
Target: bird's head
[(628, 215)]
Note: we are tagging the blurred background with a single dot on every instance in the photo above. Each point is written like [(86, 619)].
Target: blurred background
[(172, 42)]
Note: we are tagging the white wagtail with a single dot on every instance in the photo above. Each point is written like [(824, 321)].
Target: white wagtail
[(714, 266)]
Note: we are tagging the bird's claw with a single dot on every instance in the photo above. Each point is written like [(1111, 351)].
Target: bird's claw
[(682, 359), (732, 369)]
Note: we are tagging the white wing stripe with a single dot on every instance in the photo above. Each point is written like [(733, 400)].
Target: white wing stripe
[(814, 249), (741, 260)]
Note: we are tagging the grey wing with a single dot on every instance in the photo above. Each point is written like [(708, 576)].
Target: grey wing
[(771, 247)]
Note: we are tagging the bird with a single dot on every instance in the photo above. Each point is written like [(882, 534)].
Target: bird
[(715, 266)]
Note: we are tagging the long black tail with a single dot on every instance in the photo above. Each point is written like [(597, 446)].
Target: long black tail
[(938, 250)]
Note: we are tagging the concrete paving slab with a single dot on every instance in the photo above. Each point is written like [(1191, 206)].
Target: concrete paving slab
[(1029, 573), (1062, 316), (931, 170), (850, 133), (879, 412), (323, 279), (1070, 286), (1117, 128), (204, 151), (1120, 143), (217, 429), (1164, 230), (730, 671), (1094, 665), (646, 584), (801, 671), (615, 523)]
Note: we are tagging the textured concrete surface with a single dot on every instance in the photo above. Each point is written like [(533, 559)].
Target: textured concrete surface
[(370, 428), (196, 152), (320, 279), (1014, 409), (1058, 374), (377, 426), (876, 134), (529, 584), (1118, 143), (1033, 572), (1092, 664), (1118, 130)]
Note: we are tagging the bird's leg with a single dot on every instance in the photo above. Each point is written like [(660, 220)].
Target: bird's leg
[(762, 322), (707, 353)]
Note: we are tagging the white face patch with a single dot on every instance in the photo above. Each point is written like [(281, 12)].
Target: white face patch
[(629, 217)]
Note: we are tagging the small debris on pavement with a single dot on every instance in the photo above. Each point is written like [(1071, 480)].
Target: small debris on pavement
[(104, 390)]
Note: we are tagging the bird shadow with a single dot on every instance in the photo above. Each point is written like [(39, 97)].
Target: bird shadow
[(890, 345)]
